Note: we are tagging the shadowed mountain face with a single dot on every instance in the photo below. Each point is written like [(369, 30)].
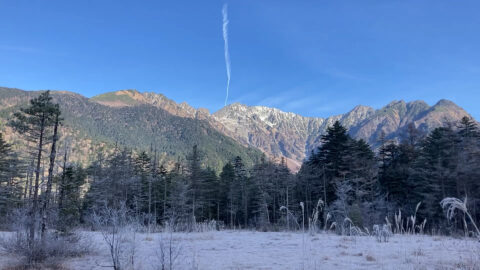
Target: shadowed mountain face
[(139, 127), (134, 118)]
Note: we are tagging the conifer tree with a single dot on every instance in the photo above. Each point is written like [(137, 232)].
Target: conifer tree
[(11, 169), (262, 176), (34, 122), (196, 182), (229, 190), (143, 169), (434, 173), (243, 189), (71, 207), (210, 194)]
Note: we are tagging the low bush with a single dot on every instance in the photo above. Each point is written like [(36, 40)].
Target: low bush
[(53, 245)]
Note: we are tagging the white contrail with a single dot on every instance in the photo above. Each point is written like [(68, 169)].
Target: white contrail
[(225, 39)]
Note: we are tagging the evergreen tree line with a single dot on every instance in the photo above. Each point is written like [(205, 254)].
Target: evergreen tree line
[(409, 178), (343, 178)]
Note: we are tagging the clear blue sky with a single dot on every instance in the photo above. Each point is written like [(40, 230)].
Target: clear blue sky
[(316, 58)]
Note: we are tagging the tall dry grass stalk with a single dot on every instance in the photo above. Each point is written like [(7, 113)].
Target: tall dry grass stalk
[(329, 216), (293, 217), (349, 228), (450, 205), (399, 222), (313, 220), (407, 224), (303, 216), (413, 219), (421, 226)]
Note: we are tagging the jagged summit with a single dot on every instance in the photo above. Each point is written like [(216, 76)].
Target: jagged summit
[(293, 136)]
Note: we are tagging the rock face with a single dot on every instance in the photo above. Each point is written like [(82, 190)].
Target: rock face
[(394, 119), (279, 133), (284, 134), (293, 136)]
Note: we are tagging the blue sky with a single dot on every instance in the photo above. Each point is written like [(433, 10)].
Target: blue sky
[(315, 58)]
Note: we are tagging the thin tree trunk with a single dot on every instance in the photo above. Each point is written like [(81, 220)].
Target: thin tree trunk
[(288, 224), (53, 153), (245, 203), (324, 198), (28, 184), (164, 196), (34, 208), (62, 182), (154, 172)]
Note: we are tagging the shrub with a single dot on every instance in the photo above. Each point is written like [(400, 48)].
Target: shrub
[(382, 234), (169, 252), (119, 233), (355, 214), (53, 245)]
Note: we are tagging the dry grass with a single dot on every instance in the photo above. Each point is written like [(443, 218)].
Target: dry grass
[(370, 258), (148, 238), (451, 205), (347, 239), (52, 247), (250, 250), (43, 266), (418, 252)]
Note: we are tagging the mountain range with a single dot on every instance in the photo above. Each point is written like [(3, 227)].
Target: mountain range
[(152, 121)]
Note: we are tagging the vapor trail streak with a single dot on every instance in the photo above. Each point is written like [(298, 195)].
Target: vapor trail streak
[(227, 54)]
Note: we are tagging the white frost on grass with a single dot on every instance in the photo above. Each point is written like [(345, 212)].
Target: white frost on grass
[(284, 250)]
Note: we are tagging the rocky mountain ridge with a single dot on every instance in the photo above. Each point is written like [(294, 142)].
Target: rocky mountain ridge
[(285, 134)]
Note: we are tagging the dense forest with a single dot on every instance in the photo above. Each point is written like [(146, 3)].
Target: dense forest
[(401, 184)]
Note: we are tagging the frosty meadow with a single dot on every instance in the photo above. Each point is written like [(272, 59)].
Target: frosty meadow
[(345, 138), (274, 250)]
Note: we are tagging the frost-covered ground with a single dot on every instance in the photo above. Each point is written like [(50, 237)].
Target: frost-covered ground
[(283, 250)]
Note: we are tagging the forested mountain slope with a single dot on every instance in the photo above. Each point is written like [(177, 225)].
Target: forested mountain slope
[(142, 127)]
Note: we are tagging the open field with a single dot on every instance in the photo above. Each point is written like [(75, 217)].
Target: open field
[(282, 250)]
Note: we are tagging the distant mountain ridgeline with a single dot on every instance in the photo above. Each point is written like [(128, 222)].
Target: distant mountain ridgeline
[(148, 120)]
